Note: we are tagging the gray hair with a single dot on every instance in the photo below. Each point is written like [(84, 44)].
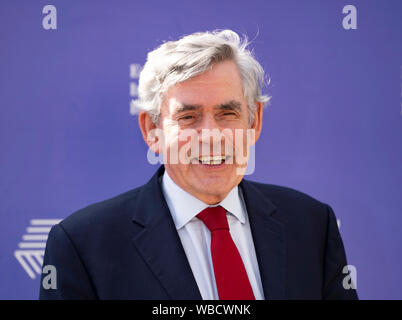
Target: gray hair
[(176, 61)]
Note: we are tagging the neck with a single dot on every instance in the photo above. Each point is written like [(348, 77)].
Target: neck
[(207, 198)]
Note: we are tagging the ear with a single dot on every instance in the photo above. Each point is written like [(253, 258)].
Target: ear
[(149, 131), (257, 124)]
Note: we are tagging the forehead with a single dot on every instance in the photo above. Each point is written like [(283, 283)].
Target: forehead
[(219, 84)]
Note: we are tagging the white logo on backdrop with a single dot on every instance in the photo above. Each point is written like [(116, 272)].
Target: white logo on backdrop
[(32, 248), (49, 22), (135, 70), (349, 22)]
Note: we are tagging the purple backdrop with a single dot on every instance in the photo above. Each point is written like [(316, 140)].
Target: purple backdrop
[(333, 129)]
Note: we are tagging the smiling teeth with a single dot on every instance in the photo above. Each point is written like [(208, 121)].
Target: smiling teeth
[(211, 160)]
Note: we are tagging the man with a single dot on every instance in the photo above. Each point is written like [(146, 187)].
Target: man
[(197, 229)]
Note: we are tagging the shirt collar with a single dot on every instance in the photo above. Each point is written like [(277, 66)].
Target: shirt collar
[(184, 206)]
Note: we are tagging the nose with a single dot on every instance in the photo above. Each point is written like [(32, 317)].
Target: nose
[(208, 123), (210, 135)]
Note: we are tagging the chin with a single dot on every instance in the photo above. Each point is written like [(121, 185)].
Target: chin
[(215, 181), (215, 186), (215, 194)]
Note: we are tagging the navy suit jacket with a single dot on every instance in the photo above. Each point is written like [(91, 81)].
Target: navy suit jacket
[(128, 247)]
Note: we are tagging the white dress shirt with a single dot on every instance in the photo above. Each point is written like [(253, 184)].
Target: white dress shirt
[(196, 238)]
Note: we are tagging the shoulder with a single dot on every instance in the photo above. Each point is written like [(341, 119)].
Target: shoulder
[(291, 204), (112, 217), (282, 195), (101, 217)]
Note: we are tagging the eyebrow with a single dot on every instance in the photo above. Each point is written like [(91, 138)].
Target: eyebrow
[(186, 107), (230, 105)]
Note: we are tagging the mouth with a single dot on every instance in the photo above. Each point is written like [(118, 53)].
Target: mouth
[(211, 161)]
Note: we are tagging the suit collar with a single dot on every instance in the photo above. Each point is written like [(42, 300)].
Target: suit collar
[(269, 240), (184, 206), (159, 244)]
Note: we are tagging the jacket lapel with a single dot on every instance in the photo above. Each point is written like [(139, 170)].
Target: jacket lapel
[(159, 244), (269, 240)]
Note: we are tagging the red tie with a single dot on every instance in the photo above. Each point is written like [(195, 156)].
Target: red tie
[(230, 275)]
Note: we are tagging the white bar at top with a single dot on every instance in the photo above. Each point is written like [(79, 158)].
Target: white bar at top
[(34, 237), (47, 222), (38, 230), (32, 245)]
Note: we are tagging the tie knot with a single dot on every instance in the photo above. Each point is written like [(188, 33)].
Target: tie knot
[(214, 218)]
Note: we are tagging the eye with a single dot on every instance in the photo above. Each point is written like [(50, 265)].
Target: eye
[(228, 115), (186, 118)]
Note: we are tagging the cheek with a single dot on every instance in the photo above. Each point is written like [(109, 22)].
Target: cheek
[(170, 137), (179, 146), (243, 139)]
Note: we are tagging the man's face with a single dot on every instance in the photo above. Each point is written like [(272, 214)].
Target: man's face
[(211, 101)]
